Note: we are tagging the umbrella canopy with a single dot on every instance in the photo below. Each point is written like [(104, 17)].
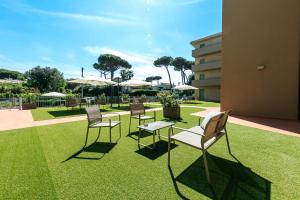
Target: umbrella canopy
[(54, 94), (93, 80), (11, 81), (135, 83), (185, 87)]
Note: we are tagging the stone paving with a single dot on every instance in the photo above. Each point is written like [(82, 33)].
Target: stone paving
[(15, 119)]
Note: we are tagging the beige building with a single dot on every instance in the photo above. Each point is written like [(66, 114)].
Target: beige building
[(261, 56), (207, 68)]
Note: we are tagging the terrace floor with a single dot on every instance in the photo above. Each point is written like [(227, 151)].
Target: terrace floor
[(14, 119), (48, 162)]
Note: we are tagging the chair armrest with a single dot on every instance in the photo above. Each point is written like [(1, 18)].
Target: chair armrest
[(183, 129), (114, 113)]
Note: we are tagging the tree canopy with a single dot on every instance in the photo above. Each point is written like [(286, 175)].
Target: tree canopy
[(5, 74), (164, 61), (110, 63), (126, 74), (181, 64), (153, 78), (45, 79)]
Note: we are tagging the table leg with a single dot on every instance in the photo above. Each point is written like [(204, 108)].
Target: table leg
[(139, 135)]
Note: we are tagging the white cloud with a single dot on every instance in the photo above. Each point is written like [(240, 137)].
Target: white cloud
[(46, 59), (23, 8), (189, 2), (129, 56)]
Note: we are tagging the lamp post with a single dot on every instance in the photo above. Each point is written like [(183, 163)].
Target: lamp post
[(82, 69)]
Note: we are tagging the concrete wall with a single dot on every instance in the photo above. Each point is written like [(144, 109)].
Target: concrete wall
[(212, 93), (212, 74), (261, 32)]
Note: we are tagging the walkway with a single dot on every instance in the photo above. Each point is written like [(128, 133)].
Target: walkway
[(286, 127), (15, 119)]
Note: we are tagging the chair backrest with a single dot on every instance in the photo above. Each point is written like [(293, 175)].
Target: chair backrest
[(211, 128), (137, 109), (223, 121), (93, 114)]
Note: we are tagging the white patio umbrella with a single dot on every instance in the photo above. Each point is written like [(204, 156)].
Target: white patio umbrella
[(93, 80), (185, 87), (54, 94), (135, 83)]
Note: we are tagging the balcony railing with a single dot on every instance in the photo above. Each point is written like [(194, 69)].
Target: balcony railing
[(206, 82), (207, 66), (206, 50)]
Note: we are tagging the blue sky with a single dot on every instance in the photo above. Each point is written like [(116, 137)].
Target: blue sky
[(70, 34)]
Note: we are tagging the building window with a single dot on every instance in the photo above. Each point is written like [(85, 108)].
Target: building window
[(202, 76), (202, 60), (202, 45)]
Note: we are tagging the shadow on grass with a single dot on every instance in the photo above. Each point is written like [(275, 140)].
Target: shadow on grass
[(134, 135), (161, 147), (67, 112), (97, 147), (230, 180)]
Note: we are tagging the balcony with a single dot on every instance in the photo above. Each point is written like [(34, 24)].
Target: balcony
[(206, 82), (207, 66), (206, 50)]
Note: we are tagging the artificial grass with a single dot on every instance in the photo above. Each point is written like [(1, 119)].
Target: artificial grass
[(201, 103), (58, 112), (46, 163)]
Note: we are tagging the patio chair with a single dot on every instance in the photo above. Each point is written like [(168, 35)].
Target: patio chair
[(137, 111), (96, 120), (201, 137)]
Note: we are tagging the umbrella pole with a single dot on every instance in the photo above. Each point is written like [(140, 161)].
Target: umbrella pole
[(118, 94), (111, 95)]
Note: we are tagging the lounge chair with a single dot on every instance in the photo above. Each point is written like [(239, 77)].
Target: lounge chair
[(137, 111), (201, 137), (96, 120)]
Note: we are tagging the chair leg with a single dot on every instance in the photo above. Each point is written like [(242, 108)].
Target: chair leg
[(206, 167), (110, 134), (129, 125), (87, 134), (227, 140), (98, 134), (120, 130)]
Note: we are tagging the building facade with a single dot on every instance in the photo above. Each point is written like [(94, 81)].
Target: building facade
[(207, 68), (260, 58)]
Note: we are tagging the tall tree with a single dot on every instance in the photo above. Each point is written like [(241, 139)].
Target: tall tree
[(101, 68), (45, 79), (165, 62), (153, 78), (126, 74), (111, 63), (179, 63), (188, 66)]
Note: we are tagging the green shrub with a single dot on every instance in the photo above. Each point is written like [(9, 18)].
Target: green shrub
[(167, 100)]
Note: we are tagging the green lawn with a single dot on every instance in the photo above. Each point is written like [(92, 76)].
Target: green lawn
[(201, 103), (48, 163), (56, 112)]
